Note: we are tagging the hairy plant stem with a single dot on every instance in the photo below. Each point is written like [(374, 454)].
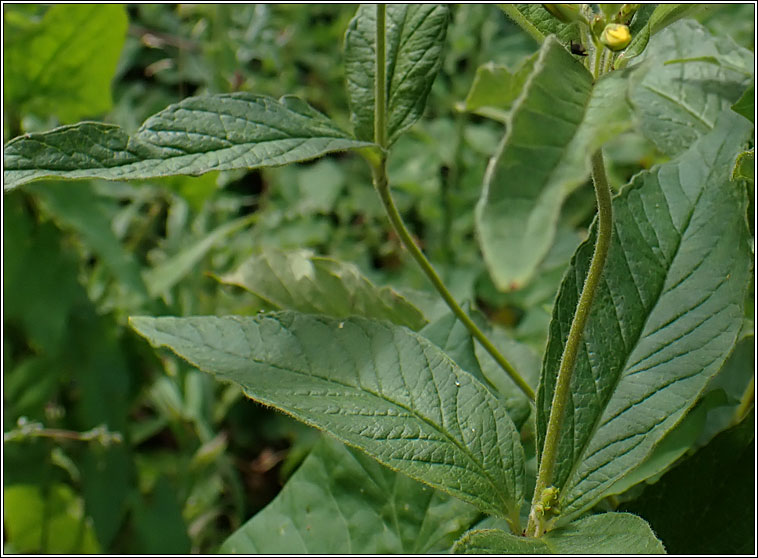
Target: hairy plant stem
[(562, 390), (379, 172)]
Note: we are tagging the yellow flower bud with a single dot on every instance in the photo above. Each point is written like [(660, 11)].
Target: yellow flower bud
[(616, 36)]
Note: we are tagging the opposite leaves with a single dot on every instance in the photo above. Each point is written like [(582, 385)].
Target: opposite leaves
[(195, 136), (666, 314), (374, 386)]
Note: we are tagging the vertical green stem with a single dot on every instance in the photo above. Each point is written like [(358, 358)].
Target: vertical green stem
[(379, 171), (568, 360), (380, 85)]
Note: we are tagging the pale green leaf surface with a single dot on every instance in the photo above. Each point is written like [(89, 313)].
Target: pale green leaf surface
[(63, 65), (666, 315), (165, 275), (607, 533), (375, 386), (342, 502), (300, 280), (554, 127), (415, 37), (496, 88), (450, 335), (678, 103), (195, 136)]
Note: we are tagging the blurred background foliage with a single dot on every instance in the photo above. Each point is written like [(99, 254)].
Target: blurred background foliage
[(178, 460)]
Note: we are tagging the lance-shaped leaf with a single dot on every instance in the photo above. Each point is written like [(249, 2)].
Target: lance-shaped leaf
[(342, 502), (302, 281), (375, 386), (195, 136), (556, 124), (678, 103), (607, 533), (415, 36), (666, 314)]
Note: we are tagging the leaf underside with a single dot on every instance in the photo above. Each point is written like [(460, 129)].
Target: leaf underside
[(299, 280), (373, 385), (665, 317), (553, 129)]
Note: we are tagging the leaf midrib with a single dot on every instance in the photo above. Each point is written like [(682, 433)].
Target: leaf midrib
[(467, 453), (622, 374)]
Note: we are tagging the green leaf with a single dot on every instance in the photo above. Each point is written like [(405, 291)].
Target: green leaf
[(342, 502), (49, 521), (745, 105), (300, 280), (64, 64), (555, 125), (744, 166), (607, 533), (375, 386), (539, 23), (674, 444), (666, 315), (161, 278), (415, 36), (454, 338), (496, 88), (706, 505), (678, 103), (195, 136), (661, 17)]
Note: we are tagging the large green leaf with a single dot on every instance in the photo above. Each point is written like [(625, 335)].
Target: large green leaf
[(556, 124), (415, 35), (63, 65), (342, 502), (678, 103), (375, 386), (607, 533), (706, 505), (666, 314), (197, 135), (299, 280)]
